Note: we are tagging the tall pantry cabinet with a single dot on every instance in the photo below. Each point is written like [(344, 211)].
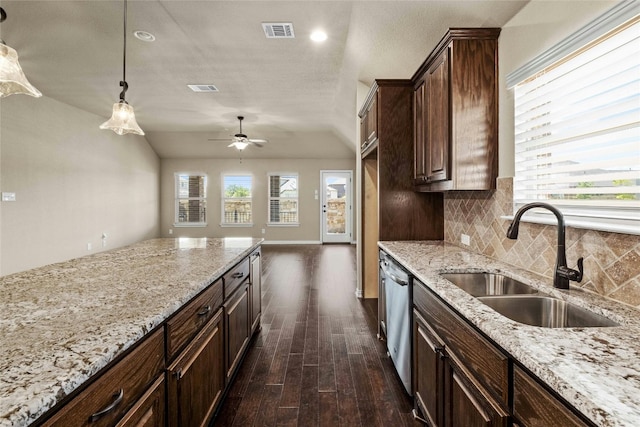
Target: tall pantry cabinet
[(391, 209)]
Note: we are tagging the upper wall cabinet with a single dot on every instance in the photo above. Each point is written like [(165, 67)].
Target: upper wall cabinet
[(456, 113)]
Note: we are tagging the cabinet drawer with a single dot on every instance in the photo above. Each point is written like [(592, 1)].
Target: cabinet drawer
[(109, 397), (489, 364), (188, 321), (533, 405), (234, 277), (149, 411)]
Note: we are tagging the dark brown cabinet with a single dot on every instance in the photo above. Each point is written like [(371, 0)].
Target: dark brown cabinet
[(196, 379), (456, 113), (120, 391), (255, 290), (237, 327), (534, 406), (391, 209), (150, 410), (453, 376), (369, 125)]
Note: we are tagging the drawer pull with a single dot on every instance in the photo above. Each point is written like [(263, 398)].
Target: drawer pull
[(205, 310), (238, 275), (117, 399)]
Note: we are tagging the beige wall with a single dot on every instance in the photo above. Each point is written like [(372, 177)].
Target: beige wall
[(73, 182), (611, 260), (308, 171)]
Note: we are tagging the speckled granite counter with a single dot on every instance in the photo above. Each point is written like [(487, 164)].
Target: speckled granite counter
[(62, 323), (597, 370)]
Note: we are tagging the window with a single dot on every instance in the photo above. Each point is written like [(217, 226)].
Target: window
[(236, 200), (191, 200), (577, 133), (283, 199)]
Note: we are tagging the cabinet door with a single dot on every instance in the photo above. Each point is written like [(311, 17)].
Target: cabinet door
[(236, 312), (468, 403), (427, 371), (149, 411), (437, 124), (419, 141), (534, 406), (372, 120), (256, 291), (196, 379)]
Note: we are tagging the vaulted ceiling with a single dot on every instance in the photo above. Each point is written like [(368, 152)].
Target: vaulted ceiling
[(298, 94)]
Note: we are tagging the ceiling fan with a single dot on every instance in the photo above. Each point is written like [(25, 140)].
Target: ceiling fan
[(241, 141)]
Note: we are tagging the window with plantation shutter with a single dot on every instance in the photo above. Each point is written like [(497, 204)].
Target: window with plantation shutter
[(191, 200), (283, 199), (577, 133)]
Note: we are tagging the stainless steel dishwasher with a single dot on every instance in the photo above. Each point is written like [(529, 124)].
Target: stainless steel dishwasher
[(398, 302)]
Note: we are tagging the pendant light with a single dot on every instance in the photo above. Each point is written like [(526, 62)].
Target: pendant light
[(123, 119), (12, 79)]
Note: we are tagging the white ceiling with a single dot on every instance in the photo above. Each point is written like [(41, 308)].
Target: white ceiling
[(298, 94)]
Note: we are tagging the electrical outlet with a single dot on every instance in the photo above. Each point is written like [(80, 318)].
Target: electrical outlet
[(264, 231), (171, 231), (465, 239), (89, 246)]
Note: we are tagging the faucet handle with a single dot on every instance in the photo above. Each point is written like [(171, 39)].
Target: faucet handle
[(580, 270), (570, 274)]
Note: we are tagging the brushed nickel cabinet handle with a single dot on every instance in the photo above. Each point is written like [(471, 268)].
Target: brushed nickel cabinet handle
[(205, 310), (117, 399), (237, 275)]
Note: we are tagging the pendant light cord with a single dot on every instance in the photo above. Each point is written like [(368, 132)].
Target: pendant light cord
[(123, 83)]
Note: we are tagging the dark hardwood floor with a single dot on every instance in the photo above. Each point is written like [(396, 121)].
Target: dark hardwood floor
[(317, 360)]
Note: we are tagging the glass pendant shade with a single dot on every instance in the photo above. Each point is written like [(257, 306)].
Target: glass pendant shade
[(123, 120), (240, 145), (12, 79)]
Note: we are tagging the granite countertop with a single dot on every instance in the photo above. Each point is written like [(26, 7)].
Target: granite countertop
[(62, 323), (597, 370)]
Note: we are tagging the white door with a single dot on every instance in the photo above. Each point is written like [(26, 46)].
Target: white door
[(336, 217)]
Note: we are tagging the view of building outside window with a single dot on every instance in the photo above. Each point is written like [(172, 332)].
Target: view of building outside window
[(237, 204), (283, 199), (191, 199), (336, 205)]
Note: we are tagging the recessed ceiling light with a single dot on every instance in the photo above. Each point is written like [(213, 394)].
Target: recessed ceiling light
[(144, 36), (318, 36)]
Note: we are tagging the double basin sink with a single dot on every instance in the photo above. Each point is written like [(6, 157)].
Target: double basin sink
[(522, 303)]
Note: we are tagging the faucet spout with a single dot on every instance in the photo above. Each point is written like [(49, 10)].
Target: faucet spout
[(563, 274)]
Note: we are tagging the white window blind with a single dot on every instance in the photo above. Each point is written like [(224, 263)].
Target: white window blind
[(577, 132), (191, 200), (283, 199), (236, 200)]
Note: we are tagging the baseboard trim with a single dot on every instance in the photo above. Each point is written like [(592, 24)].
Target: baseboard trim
[(292, 242)]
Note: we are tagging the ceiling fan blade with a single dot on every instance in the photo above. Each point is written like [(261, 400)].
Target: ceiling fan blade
[(258, 142)]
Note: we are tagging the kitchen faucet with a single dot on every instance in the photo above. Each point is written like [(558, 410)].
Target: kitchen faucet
[(563, 274)]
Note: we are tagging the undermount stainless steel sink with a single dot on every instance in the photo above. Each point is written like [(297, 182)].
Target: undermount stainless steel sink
[(483, 284), (544, 311)]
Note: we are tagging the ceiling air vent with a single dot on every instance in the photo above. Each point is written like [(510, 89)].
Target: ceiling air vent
[(203, 88), (278, 30)]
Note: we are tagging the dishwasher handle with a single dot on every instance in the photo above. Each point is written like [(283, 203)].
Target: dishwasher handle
[(400, 280)]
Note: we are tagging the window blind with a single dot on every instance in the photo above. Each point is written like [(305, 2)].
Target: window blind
[(577, 130), (191, 200), (283, 199)]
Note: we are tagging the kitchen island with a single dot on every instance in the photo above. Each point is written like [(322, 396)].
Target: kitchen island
[(596, 370), (63, 323)]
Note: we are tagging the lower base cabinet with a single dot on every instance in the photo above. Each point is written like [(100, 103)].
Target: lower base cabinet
[(196, 380), (446, 393), (237, 327), (150, 409), (460, 378)]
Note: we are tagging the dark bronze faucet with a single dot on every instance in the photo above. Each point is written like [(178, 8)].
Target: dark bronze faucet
[(563, 274)]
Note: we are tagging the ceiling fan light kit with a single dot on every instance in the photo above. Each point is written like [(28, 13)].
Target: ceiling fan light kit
[(240, 141), (12, 78), (123, 119)]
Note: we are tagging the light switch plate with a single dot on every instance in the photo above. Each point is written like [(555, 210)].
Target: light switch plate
[(8, 197), (465, 239)]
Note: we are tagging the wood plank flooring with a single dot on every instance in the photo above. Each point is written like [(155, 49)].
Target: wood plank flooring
[(316, 361)]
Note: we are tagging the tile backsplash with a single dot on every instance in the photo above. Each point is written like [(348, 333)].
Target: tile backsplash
[(611, 260)]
